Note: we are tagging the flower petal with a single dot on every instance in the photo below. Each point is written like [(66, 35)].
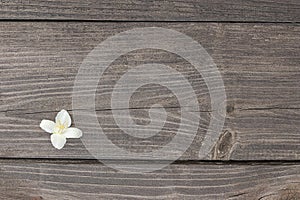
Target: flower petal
[(73, 133), (64, 118), (47, 125), (58, 140)]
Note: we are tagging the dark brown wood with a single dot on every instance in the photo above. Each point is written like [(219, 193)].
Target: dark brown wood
[(144, 10), (31, 179), (259, 64), (256, 47)]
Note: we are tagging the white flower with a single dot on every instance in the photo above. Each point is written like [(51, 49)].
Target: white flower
[(60, 129)]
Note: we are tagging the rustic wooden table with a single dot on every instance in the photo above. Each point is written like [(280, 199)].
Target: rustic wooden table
[(256, 47)]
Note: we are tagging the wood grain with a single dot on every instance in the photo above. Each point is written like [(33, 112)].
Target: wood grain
[(144, 10), (256, 46), (29, 179), (259, 64)]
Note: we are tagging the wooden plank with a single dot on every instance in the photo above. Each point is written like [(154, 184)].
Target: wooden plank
[(259, 64), (144, 10), (34, 179)]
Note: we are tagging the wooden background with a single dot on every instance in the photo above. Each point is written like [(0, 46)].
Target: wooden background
[(256, 46)]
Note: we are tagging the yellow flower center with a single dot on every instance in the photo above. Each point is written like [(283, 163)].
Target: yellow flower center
[(59, 128)]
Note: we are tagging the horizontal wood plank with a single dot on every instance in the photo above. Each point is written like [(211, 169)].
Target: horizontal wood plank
[(258, 62), (33, 179), (144, 10)]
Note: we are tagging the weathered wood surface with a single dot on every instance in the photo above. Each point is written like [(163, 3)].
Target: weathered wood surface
[(144, 10), (42, 45), (259, 64), (33, 179)]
